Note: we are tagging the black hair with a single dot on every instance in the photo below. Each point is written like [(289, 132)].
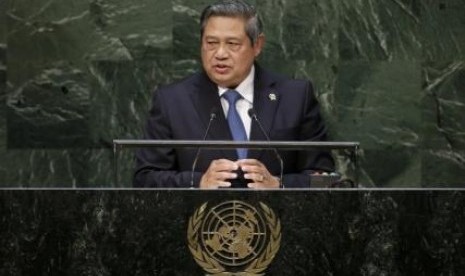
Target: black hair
[(234, 8)]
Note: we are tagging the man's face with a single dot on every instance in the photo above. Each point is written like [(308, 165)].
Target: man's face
[(227, 52)]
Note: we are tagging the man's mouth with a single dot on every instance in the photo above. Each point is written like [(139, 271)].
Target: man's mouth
[(221, 68)]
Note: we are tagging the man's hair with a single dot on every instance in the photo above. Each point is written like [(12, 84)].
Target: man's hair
[(234, 8)]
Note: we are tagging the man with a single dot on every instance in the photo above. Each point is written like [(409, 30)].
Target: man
[(231, 40)]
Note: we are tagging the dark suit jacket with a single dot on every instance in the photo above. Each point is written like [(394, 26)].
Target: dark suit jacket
[(181, 111)]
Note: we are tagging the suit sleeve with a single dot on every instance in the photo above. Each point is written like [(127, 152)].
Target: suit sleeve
[(312, 128), (158, 167)]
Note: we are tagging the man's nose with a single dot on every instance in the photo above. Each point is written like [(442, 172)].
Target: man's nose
[(222, 52)]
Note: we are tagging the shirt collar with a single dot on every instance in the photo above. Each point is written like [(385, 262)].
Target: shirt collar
[(245, 88)]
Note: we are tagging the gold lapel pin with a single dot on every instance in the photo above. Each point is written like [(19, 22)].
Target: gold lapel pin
[(272, 96)]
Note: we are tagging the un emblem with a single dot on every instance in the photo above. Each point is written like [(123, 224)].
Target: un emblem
[(234, 238)]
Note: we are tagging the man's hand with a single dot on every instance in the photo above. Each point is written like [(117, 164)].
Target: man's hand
[(218, 173), (258, 173)]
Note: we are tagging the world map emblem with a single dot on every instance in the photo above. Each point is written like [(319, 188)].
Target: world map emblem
[(234, 238)]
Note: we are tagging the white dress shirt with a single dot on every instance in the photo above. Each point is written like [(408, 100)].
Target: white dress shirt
[(245, 88)]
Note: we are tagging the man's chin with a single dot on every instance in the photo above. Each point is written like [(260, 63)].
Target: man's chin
[(223, 81)]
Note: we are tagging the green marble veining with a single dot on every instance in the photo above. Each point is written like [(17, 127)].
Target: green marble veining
[(380, 30), (74, 75), (376, 96), (2, 76), (28, 168), (444, 98), (442, 31), (50, 110)]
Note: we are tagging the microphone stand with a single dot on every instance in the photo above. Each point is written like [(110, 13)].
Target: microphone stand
[(253, 115), (194, 164)]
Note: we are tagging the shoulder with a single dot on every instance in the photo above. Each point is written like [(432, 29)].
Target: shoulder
[(292, 91), (184, 84), (270, 78), (181, 90)]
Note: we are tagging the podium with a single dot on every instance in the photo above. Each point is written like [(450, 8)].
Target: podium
[(151, 232), (199, 145)]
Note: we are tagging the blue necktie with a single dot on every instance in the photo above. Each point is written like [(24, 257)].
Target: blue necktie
[(235, 122)]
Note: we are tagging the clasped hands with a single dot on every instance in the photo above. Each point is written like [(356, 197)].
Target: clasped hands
[(221, 171)]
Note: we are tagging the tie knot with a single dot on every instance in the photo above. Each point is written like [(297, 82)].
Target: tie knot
[(232, 96)]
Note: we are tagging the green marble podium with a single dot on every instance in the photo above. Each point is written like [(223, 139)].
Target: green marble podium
[(145, 232)]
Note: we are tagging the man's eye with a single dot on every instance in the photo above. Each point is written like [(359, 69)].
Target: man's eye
[(234, 46)]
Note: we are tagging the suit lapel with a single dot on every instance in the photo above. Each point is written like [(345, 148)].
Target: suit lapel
[(266, 101), (206, 99)]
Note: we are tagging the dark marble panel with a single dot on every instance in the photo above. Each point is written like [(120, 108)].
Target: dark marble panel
[(443, 168), (186, 36), (61, 33), (323, 76), (49, 94), (51, 78), (102, 168), (122, 96), (82, 168), (444, 105), (144, 232), (3, 49), (88, 68), (380, 30), (82, 31), (50, 110), (298, 31), (3, 29), (3, 126), (443, 161), (44, 168), (138, 29), (391, 167), (118, 111), (378, 104), (443, 29)]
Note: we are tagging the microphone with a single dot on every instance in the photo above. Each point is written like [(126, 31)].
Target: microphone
[(213, 112), (253, 115)]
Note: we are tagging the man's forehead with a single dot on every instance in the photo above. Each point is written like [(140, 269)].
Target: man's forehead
[(229, 24), (232, 17)]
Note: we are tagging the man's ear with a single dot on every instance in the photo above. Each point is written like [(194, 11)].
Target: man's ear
[(259, 44)]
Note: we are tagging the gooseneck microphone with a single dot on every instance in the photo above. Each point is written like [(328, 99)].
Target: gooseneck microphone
[(253, 115), (213, 115)]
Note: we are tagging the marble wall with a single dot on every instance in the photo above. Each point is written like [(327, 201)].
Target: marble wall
[(74, 75)]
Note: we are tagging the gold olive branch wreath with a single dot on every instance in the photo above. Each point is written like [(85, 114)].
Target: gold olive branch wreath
[(212, 266)]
